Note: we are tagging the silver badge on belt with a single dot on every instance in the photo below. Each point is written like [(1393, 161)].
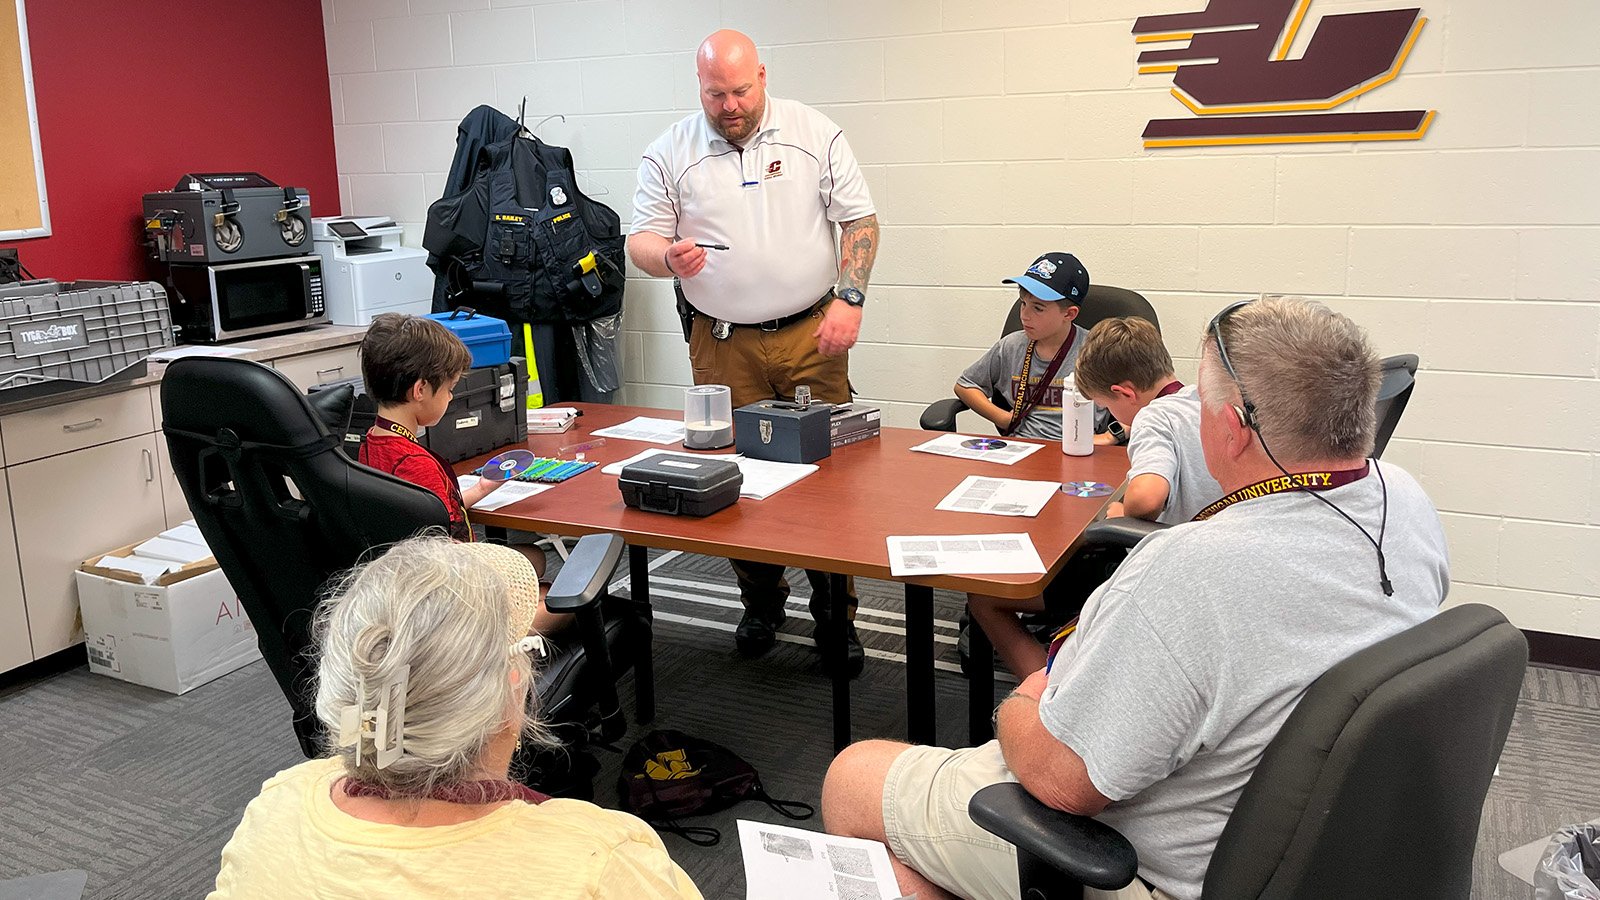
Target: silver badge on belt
[(720, 330)]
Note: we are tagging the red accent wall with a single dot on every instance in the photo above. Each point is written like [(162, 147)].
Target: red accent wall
[(134, 93)]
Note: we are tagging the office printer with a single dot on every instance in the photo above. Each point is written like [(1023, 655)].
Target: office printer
[(365, 271)]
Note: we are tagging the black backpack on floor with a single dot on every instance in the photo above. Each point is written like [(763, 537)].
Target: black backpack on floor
[(667, 775)]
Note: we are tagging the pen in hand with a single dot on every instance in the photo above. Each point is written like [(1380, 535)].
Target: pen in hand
[(712, 246)]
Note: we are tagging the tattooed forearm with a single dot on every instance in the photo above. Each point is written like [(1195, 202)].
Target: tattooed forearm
[(858, 247)]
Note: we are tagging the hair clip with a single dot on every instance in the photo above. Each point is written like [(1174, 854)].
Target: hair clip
[(383, 727), (534, 644)]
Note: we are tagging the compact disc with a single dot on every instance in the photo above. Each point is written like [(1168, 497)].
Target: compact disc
[(508, 465), (983, 444), (1086, 488)]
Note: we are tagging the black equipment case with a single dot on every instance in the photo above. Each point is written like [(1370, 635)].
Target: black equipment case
[(681, 485), (488, 411)]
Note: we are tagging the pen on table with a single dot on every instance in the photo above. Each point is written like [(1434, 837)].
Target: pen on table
[(712, 246)]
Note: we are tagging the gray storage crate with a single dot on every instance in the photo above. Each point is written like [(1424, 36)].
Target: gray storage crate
[(55, 337)]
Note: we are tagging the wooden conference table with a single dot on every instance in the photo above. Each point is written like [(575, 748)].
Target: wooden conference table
[(835, 521)]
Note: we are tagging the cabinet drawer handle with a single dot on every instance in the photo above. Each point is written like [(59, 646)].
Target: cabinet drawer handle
[(321, 372), (149, 465), (83, 426)]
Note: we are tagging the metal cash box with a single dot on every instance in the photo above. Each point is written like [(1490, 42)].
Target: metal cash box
[(681, 485), (782, 431)]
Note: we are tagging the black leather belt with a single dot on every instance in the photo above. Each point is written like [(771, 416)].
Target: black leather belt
[(778, 323)]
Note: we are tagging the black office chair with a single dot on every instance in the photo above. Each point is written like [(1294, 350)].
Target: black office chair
[(283, 509), (1394, 392), (1373, 787), (1102, 302)]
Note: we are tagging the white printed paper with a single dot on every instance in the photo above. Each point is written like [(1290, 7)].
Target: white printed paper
[(644, 428), (1008, 451), (762, 478), (963, 554), (1000, 496), (505, 495), (783, 863)]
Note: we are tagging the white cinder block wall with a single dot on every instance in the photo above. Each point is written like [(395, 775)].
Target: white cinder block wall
[(993, 130)]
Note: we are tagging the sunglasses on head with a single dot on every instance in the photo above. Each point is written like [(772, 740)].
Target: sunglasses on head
[(1248, 414)]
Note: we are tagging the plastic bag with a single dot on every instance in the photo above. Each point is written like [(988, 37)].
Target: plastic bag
[(597, 341), (1570, 867)]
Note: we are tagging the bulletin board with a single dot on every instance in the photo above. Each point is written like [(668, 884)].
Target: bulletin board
[(24, 208)]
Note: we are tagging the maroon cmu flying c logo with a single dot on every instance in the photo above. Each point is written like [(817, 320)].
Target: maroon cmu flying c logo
[(1236, 77)]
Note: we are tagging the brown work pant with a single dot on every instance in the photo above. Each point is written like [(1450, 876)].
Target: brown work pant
[(767, 365)]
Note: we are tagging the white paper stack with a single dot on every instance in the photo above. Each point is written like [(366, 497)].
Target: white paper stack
[(179, 552), (173, 549)]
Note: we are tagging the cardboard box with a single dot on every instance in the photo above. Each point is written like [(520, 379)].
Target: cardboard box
[(174, 635)]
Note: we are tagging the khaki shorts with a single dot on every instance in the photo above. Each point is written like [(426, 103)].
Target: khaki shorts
[(925, 818)]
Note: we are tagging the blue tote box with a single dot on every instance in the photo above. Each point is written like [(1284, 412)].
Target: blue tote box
[(488, 338)]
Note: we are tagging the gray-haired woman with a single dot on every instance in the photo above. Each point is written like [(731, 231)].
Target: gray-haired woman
[(423, 675)]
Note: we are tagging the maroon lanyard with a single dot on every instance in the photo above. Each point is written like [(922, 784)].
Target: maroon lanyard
[(1021, 403), (1299, 481), (468, 792), (393, 426)]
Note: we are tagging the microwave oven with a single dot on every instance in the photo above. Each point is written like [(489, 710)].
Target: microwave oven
[(245, 299)]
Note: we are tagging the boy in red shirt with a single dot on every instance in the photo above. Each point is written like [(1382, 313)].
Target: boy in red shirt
[(411, 365)]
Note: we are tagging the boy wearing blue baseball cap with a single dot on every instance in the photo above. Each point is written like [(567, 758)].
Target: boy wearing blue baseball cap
[(1028, 366)]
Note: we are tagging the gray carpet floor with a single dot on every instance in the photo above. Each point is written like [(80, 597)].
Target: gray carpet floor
[(141, 789)]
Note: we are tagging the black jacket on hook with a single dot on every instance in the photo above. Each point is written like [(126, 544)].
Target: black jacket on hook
[(512, 237)]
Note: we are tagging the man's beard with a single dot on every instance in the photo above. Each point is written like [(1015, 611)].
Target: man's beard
[(747, 124)]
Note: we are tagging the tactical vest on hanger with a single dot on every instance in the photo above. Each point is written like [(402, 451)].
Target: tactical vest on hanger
[(523, 243)]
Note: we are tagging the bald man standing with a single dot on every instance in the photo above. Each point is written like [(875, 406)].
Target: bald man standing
[(740, 204)]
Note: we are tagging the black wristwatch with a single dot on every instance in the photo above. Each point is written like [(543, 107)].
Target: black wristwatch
[(1115, 429), (851, 296)]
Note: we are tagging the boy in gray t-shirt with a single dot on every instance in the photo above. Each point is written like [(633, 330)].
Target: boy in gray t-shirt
[(1049, 293), (1124, 366)]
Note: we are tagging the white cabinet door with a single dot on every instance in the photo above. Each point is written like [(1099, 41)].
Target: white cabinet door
[(177, 508), (15, 646), (70, 507)]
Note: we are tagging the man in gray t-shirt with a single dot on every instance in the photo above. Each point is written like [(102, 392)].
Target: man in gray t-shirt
[(1154, 712)]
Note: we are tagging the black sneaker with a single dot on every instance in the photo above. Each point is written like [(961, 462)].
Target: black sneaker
[(757, 632)]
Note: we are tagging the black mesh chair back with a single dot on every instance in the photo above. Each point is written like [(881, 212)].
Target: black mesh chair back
[(281, 506), (1374, 786)]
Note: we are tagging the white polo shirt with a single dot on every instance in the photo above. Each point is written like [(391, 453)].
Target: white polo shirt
[(773, 202)]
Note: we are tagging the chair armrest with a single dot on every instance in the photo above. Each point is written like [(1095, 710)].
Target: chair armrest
[(1086, 850), (1120, 531), (941, 414), (585, 574)]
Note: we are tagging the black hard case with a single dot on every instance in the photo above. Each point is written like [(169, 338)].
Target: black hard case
[(681, 485), (481, 416), (488, 411)]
